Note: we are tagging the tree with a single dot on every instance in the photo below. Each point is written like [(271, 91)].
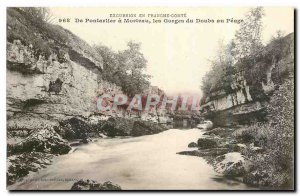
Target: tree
[(125, 68), (221, 71), (111, 65), (248, 38), (133, 64)]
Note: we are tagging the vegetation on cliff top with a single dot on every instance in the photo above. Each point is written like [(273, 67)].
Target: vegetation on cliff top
[(246, 57), (32, 27)]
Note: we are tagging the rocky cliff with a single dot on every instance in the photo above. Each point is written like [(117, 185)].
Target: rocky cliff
[(44, 88), (53, 80), (243, 100), (52, 75)]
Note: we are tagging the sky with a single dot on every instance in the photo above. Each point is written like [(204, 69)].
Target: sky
[(177, 54)]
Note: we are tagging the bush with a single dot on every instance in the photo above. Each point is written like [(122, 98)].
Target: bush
[(275, 166), (256, 133), (37, 13)]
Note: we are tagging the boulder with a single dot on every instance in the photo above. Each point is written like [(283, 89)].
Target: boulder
[(234, 147), (75, 128), (110, 186), (43, 140), (146, 128), (193, 145), (93, 185), (205, 125), (231, 164), (86, 140), (219, 131), (190, 153), (213, 152), (205, 143), (117, 126)]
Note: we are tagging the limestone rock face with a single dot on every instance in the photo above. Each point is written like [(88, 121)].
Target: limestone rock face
[(243, 100), (66, 89), (85, 185), (53, 77), (20, 57), (49, 91), (52, 74), (56, 92)]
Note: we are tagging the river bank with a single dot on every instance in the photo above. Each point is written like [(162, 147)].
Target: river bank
[(147, 162), (39, 148), (222, 151), (235, 153)]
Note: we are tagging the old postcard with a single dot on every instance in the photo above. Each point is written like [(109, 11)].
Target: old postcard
[(150, 98)]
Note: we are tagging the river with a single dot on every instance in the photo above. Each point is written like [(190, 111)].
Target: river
[(146, 162)]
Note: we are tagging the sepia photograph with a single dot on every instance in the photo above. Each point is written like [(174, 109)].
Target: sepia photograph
[(150, 98)]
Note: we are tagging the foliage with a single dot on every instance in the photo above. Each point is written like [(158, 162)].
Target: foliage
[(273, 150), (248, 38), (32, 27), (238, 55), (274, 165), (246, 56), (37, 14), (256, 133), (220, 75), (125, 68)]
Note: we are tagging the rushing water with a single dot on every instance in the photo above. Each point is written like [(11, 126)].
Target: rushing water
[(147, 162)]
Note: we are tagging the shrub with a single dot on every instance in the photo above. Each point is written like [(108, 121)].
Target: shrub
[(254, 133), (274, 167)]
